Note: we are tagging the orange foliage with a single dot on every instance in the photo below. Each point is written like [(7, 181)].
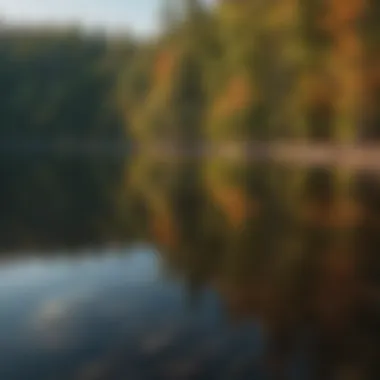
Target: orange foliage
[(343, 12), (373, 73), (349, 44), (164, 230), (343, 213), (165, 65), (342, 23), (372, 84), (236, 205), (237, 96)]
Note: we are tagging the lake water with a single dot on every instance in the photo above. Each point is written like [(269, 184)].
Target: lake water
[(228, 270), (115, 315)]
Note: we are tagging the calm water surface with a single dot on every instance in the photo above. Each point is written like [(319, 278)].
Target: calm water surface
[(233, 271), (115, 315)]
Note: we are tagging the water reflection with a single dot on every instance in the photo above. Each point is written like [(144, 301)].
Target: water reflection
[(294, 250), (247, 271)]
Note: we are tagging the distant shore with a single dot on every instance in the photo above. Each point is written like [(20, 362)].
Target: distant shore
[(300, 154), (362, 155)]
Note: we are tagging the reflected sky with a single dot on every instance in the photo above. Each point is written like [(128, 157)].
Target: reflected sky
[(246, 271), (105, 317)]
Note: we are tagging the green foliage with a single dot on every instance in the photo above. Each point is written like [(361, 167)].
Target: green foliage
[(276, 46), (236, 72), (58, 114)]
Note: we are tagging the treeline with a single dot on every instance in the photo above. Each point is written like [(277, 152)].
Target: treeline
[(59, 85), (73, 105), (61, 135), (231, 71), (293, 249), (260, 70)]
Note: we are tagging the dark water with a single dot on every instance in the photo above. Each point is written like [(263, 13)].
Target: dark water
[(228, 270)]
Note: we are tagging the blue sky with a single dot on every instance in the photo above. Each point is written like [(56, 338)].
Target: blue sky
[(138, 15)]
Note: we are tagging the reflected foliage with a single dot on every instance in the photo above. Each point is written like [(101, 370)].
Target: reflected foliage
[(296, 251)]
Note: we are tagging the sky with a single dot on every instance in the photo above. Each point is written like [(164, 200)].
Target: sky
[(140, 16)]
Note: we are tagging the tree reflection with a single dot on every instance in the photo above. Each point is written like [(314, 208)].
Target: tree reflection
[(295, 250)]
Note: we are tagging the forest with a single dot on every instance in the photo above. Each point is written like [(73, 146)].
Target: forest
[(74, 105), (260, 70), (59, 117)]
